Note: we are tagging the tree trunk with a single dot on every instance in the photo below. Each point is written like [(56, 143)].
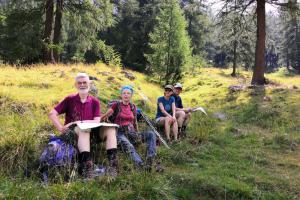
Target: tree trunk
[(57, 28), (287, 60), (259, 68), (234, 59), (47, 52), (297, 41)]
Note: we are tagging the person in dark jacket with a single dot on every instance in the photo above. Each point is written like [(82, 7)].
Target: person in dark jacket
[(183, 115)]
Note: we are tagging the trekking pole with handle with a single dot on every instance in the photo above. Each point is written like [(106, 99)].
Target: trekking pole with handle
[(154, 129)]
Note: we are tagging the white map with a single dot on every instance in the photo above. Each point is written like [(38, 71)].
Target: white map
[(199, 108), (88, 125)]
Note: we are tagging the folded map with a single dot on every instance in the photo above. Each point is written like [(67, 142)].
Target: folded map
[(199, 108), (88, 125)]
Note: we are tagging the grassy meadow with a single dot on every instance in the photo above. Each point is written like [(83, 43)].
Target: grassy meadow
[(248, 147)]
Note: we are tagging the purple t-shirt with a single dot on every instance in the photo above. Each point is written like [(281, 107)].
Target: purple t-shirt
[(75, 110)]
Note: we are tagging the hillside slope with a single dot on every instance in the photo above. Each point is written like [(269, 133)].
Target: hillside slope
[(247, 148)]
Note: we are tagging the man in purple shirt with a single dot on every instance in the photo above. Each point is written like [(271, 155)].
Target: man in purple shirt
[(83, 107)]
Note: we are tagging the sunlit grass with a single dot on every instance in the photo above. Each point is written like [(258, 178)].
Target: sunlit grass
[(46, 85), (252, 154)]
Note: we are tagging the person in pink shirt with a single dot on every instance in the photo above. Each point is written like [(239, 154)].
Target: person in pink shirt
[(82, 107), (125, 116)]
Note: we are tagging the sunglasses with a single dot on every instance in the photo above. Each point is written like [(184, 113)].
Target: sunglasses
[(168, 90)]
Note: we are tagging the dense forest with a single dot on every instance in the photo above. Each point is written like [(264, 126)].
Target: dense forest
[(153, 36)]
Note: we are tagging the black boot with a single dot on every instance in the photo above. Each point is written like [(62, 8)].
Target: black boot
[(85, 167), (87, 171), (180, 133), (113, 162), (183, 131)]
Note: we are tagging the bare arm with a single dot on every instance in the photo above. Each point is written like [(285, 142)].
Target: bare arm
[(186, 110), (53, 116), (107, 114), (174, 110)]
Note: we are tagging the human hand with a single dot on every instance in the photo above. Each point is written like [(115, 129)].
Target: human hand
[(189, 110), (63, 129), (104, 119), (174, 119)]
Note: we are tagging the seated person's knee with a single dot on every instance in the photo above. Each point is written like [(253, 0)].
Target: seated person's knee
[(181, 113), (168, 120)]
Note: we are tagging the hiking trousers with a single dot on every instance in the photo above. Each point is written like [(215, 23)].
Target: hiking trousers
[(125, 141)]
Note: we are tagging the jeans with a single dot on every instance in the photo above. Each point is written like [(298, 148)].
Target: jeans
[(148, 137)]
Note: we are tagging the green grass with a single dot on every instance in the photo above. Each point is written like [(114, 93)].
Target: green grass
[(253, 154)]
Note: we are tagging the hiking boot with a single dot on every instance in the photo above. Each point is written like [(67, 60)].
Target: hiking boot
[(183, 130), (139, 167), (87, 170), (148, 166), (168, 141), (179, 132), (113, 168)]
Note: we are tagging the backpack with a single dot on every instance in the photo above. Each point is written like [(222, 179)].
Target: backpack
[(113, 117), (57, 154)]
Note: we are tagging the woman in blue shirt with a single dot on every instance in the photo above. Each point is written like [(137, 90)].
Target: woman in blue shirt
[(166, 111)]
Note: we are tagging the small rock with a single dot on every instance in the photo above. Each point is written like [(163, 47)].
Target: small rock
[(93, 78), (18, 108), (103, 73), (220, 116), (295, 87), (111, 78), (235, 88), (93, 89), (130, 76)]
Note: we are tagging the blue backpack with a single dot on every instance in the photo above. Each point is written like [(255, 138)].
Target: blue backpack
[(58, 153)]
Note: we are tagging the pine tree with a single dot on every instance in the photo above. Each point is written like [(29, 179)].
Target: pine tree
[(290, 42), (170, 43), (236, 38)]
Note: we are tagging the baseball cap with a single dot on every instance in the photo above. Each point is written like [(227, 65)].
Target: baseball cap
[(169, 87), (178, 85)]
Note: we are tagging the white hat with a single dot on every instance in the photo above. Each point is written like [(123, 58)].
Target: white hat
[(178, 85)]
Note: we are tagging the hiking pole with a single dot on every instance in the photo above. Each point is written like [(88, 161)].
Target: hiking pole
[(154, 129)]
